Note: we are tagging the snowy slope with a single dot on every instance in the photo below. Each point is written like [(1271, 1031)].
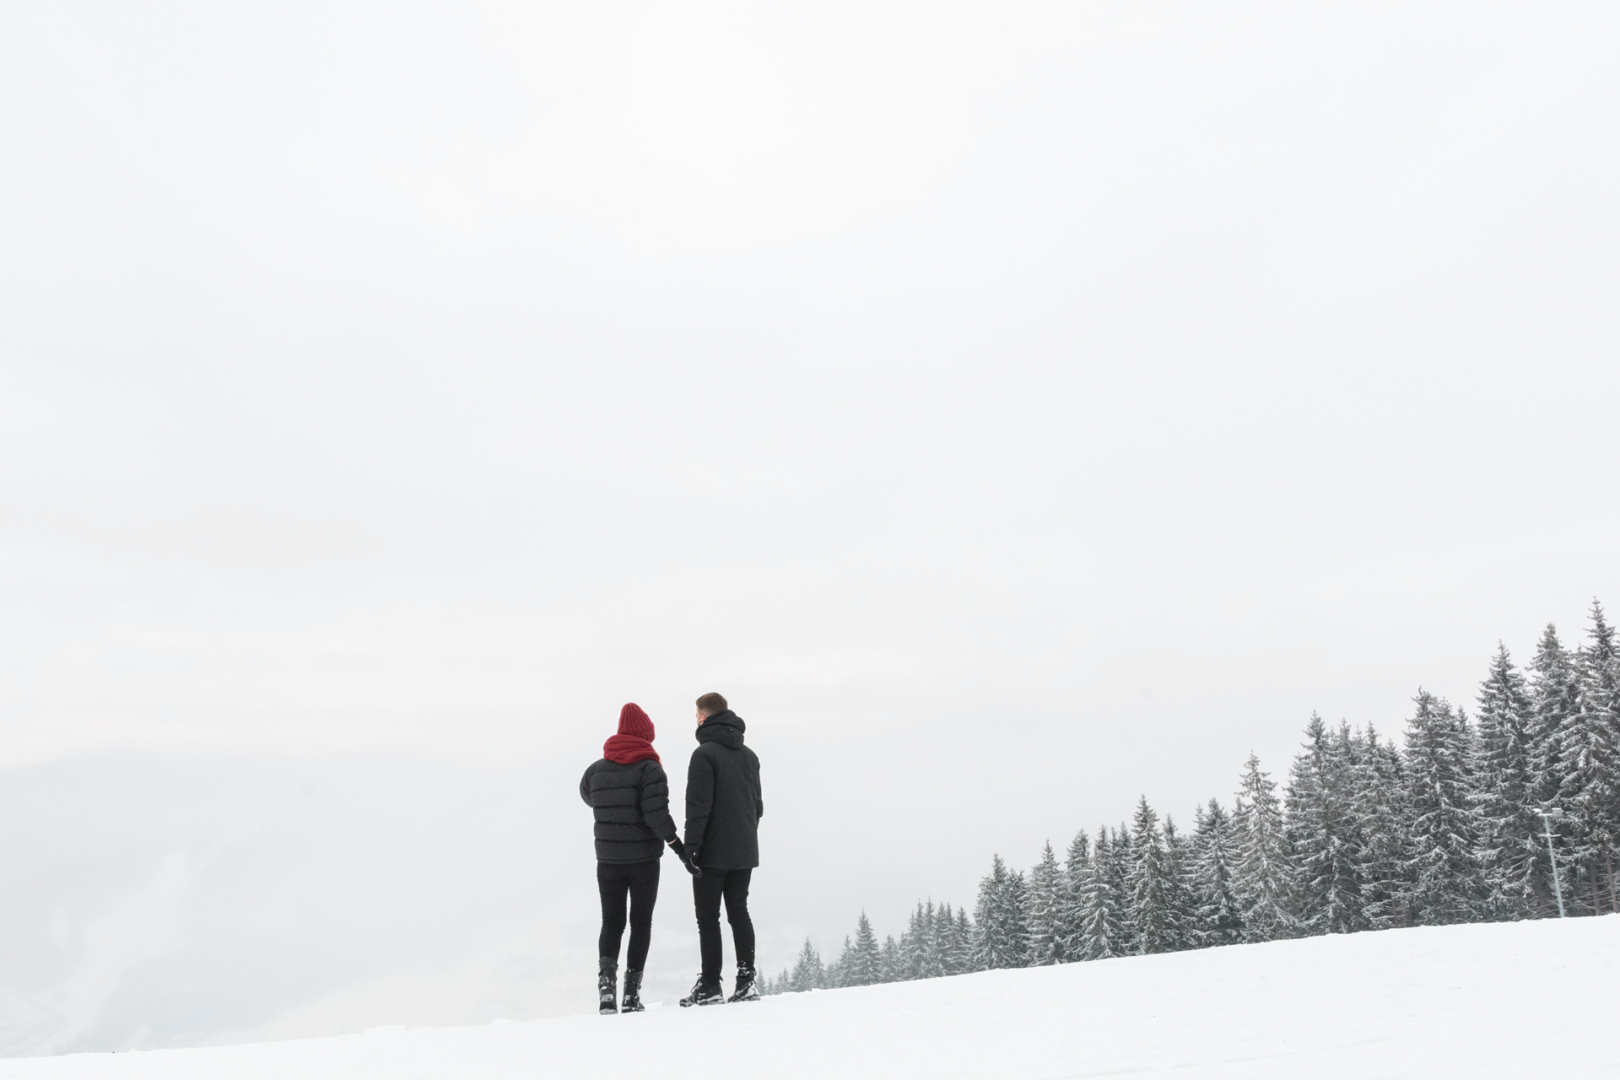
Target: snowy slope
[(1464, 1001)]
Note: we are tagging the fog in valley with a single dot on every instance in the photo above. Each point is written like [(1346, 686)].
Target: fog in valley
[(1014, 410)]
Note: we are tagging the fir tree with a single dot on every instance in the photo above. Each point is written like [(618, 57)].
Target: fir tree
[(1150, 884), (1101, 933), (1512, 858), (1589, 789), (1323, 833), (1262, 879), (890, 965), (1046, 891), (1183, 905), (1216, 920), (865, 964), (1121, 859), (1385, 814), (1072, 906), (1447, 886), (1002, 940), (1554, 698), (807, 973)]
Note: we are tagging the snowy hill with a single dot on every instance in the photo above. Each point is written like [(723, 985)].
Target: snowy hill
[(1465, 1001)]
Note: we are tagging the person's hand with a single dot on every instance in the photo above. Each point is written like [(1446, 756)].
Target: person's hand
[(692, 862), (686, 857)]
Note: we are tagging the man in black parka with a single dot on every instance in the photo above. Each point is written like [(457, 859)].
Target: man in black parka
[(723, 808)]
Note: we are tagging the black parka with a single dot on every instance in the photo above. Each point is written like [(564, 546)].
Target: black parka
[(723, 800), (631, 803)]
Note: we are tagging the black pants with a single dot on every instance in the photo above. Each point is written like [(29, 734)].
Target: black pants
[(638, 880), (706, 893)]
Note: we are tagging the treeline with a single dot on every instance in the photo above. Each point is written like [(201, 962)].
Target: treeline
[(1450, 827)]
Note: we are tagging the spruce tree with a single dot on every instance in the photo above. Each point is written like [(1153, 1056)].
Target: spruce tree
[(1046, 892), (1150, 903), (1589, 789), (890, 965), (1183, 906), (1385, 816), (1447, 885), (1101, 933), (807, 972), (1075, 869), (1512, 857), (1216, 919), (1262, 879), (959, 960), (865, 965), (1121, 859), (1002, 938), (1554, 698), (1323, 833)]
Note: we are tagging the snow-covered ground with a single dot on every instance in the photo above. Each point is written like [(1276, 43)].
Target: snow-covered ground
[(1521, 1000)]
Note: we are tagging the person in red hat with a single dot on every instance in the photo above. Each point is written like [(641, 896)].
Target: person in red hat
[(629, 795)]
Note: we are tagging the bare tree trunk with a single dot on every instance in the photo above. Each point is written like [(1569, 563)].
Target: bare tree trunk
[(1608, 861)]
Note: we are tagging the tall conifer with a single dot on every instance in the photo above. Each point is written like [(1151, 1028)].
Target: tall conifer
[(1263, 877)]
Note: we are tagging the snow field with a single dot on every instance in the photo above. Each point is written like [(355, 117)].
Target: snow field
[(1473, 1001)]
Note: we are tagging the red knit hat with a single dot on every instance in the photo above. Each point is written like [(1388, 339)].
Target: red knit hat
[(632, 721)]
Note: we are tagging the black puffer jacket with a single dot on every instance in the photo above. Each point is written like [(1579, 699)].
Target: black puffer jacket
[(632, 809), (723, 800)]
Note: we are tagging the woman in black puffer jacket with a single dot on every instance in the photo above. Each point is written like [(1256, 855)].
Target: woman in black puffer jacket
[(629, 794)]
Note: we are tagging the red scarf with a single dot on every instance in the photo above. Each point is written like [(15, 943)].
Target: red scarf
[(633, 743), (629, 749)]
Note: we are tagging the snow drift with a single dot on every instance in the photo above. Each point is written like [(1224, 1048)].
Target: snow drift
[(1502, 1000)]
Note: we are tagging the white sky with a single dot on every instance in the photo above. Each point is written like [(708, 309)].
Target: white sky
[(1013, 408)]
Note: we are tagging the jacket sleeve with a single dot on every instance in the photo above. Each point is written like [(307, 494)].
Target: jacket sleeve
[(655, 802), (699, 797), (759, 793), (585, 784)]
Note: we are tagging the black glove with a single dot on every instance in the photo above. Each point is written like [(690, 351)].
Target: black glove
[(688, 857)]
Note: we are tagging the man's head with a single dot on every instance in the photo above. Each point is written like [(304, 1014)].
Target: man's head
[(708, 705)]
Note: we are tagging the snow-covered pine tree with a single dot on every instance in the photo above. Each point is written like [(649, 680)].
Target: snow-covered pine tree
[(865, 964), (1046, 891), (1589, 791), (1216, 919), (931, 961), (1447, 886), (1512, 857), (912, 943), (1323, 833), (1183, 906), (1072, 904), (1150, 884), (961, 954), (1101, 935), (890, 964), (1385, 816), (808, 973), (1262, 878), (996, 942), (941, 922), (1121, 859), (1554, 698), (836, 973), (1016, 907)]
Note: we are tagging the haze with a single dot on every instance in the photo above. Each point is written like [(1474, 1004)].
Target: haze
[(1013, 409)]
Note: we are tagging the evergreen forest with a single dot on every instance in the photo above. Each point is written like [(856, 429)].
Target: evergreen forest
[(1511, 812)]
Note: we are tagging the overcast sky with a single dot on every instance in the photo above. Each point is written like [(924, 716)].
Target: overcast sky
[(1014, 409)]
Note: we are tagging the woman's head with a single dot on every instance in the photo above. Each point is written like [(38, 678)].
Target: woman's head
[(632, 721)]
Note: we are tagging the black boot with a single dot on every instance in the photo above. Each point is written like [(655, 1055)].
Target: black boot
[(607, 978), (746, 989), (632, 992), (705, 992)]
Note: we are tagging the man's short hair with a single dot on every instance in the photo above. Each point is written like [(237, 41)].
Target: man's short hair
[(711, 704)]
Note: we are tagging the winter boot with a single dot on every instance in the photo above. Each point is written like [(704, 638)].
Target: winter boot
[(705, 992), (607, 978), (632, 992), (746, 989)]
